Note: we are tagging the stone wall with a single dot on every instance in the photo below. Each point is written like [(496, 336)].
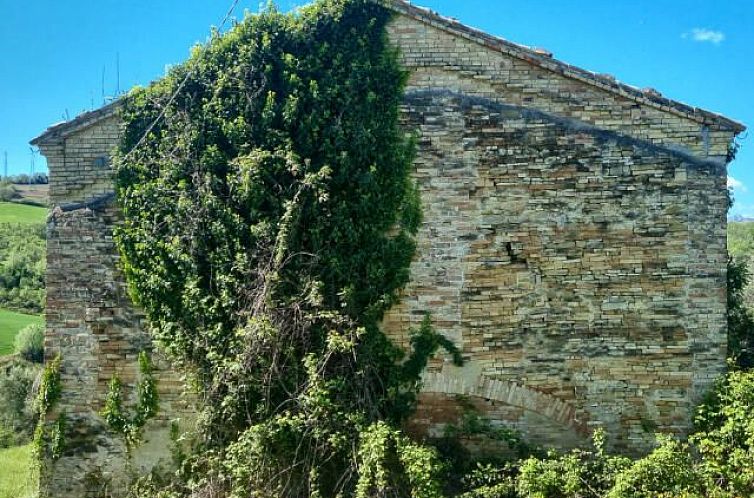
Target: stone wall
[(91, 321), (444, 54), (581, 272), (573, 246)]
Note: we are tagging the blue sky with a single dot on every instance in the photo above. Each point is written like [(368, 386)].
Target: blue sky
[(53, 53)]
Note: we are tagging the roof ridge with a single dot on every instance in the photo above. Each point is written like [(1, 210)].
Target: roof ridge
[(544, 59), (80, 122), (535, 56)]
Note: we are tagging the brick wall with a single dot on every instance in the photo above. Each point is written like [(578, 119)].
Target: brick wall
[(573, 246), (91, 321)]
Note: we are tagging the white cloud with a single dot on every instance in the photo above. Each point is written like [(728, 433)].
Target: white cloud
[(736, 185), (705, 35)]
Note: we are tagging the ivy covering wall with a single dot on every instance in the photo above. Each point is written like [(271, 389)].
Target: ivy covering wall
[(269, 224)]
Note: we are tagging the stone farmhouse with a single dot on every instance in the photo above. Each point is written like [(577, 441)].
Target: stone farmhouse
[(573, 246)]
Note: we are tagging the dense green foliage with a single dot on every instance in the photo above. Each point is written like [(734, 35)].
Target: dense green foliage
[(269, 222), (29, 342), (725, 433), (22, 261), (16, 402)]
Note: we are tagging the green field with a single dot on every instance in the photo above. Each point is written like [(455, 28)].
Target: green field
[(10, 212), (15, 475), (10, 324)]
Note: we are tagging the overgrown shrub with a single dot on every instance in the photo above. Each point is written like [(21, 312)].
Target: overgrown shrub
[(491, 481), (7, 192), (269, 218), (557, 476), (725, 434), (582, 473), (16, 403), (29, 343), (667, 470)]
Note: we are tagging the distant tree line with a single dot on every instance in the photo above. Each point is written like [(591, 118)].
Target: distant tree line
[(741, 294), (8, 185), (24, 179)]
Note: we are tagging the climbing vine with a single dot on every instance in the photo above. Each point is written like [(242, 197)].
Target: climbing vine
[(269, 223), (49, 439), (49, 386), (130, 426)]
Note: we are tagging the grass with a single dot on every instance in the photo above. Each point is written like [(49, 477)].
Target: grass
[(10, 324), (11, 212), (15, 472)]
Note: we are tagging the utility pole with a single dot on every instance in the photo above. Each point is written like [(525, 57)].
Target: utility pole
[(31, 176), (5, 170)]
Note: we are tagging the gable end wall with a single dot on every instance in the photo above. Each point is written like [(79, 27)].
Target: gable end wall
[(573, 246), (567, 247)]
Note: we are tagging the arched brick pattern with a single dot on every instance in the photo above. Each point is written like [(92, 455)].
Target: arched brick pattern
[(511, 394)]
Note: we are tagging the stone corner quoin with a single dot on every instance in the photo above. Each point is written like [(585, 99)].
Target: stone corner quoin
[(573, 246)]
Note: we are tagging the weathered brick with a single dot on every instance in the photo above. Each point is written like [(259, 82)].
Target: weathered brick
[(573, 247)]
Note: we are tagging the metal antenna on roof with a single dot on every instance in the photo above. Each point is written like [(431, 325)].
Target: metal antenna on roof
[(103, 84), (117, 73), (177, 90)]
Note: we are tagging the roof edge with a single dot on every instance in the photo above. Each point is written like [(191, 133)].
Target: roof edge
[(60, 131), (531, 56)]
